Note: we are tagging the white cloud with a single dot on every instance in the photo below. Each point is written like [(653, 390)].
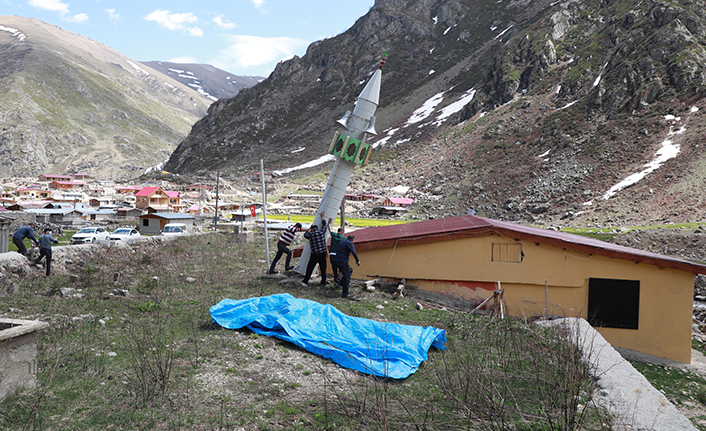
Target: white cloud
[(176, 21), (246, 51), (259, 4), (223, 24), (62, 8), (78, 18), (50, 5), (112, 15)]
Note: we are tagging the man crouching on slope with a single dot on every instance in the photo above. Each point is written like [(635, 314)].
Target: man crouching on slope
[(283, 247)]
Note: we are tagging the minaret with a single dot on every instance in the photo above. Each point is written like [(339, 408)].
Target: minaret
[(350, 150)]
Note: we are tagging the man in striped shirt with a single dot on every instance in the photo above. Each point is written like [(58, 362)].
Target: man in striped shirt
[(283, 247)]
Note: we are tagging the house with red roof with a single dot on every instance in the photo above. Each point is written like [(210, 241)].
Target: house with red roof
[(50, 177), (175, 201), (66, 185), (637, 300), (393, 205), (151, 196), (397, 202)]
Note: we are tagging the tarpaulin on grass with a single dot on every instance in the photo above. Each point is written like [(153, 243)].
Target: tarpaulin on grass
[(383, 349)]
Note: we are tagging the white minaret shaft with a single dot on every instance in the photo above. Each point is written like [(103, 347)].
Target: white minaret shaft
[(360, 122)]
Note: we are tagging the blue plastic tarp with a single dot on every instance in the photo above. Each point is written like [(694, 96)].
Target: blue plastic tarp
[(383, 349)]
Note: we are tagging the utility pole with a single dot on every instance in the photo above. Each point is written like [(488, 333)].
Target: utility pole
[(215, 220), (264, 215)]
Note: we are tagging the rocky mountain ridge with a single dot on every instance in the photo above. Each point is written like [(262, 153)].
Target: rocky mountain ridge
[(564, 106), (207, 80)]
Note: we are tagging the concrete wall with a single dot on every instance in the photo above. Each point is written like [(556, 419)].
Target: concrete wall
[(18, 355), (464, 268)]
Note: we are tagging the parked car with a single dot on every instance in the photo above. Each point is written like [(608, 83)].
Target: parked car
[(89, 234), (124, 234), (174, 229)]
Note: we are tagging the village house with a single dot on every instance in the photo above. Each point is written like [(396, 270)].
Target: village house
[(50, 177), (197, 188), (153, 197), (57, 215), (397, 202), (66, 185), (129, 190), (174, 201), (195, 209), (158, 209), (69, 197), (33, 193), (97, 215), (153, 223), (124, 213), (637, 300), (23, 205), (393, 205), (101, 201), (361, 197), (304, 197)]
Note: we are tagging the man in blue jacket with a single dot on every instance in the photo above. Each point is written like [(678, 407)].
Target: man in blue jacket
[(45, 249), (26, 231), (343, 253)]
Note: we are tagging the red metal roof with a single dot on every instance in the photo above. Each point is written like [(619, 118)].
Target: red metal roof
[(466, 226), (401, 201), (146, 191), (172, 194)]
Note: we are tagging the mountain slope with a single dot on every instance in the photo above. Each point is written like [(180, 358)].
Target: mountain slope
[(70, 104), (299, 102), (210, 81), (524, 110)]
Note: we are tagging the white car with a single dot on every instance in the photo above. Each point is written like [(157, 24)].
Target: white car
[(124, 234), (89, 234), (174, 229)]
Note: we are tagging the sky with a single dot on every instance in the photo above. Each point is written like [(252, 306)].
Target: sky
[(243, 37)]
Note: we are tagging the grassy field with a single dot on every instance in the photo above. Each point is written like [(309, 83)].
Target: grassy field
[(607, 233), (358, 222), (64, 239), (153, 359)]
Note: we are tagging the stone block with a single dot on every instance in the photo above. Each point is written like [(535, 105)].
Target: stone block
[(18, 354)]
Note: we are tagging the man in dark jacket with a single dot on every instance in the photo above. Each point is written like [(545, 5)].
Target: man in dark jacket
[(343, 253), (26, 231), (336, 238), (45, 248)]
